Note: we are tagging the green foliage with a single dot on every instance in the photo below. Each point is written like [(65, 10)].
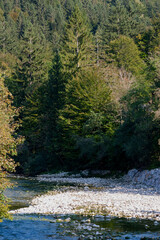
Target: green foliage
[(26, 84), (126, 55), (53, 102), (7, 143), (125, 18), (149, 41), (88, 114), (32, 66), (138, 136), (152, 7), (77, 48), (99, 47), (97, 103), (88, 107)]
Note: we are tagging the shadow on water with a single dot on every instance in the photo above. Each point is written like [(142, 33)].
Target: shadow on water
[(67, 227)]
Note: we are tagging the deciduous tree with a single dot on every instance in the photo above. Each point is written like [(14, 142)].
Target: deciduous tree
[(7, 143)]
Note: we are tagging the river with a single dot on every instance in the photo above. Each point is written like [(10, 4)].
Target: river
[(66, 227)]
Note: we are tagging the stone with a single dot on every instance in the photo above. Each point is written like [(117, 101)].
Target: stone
[(85, 173), (133, 196)]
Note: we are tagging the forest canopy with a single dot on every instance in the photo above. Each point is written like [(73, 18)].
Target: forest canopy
[(84, 78)]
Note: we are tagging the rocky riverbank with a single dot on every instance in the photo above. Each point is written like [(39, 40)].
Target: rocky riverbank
[(146, 178), (123, 197)]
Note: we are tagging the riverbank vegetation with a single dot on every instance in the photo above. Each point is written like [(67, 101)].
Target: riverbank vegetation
[(85, 79), (8, 143)]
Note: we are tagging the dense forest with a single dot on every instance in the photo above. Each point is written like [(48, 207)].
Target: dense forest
[(79, 85)]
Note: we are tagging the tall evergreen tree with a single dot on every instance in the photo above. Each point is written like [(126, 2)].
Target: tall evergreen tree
[(77, 47), (125, 18), (29, 76), (117, 22), (53, 103), (99, 47), (32, 66), (8, 34)]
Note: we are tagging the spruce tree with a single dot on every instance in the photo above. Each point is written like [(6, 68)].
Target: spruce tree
[(30, 75), (77, 46), (32, 66), (117, 23), (137, 18), (125, 18), (99, 47), (54, 98), (8, 35)]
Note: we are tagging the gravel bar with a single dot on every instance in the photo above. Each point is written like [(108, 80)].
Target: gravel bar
[(97, 196)]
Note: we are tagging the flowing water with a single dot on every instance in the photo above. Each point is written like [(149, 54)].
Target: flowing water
[(67, 227)]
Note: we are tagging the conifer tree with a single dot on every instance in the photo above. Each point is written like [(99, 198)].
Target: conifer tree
[(117, 23), (32, 66), (99, 47), (137, 19), (77, 47), (53, 102), (8, 35), (29, 76), (125, 18)]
